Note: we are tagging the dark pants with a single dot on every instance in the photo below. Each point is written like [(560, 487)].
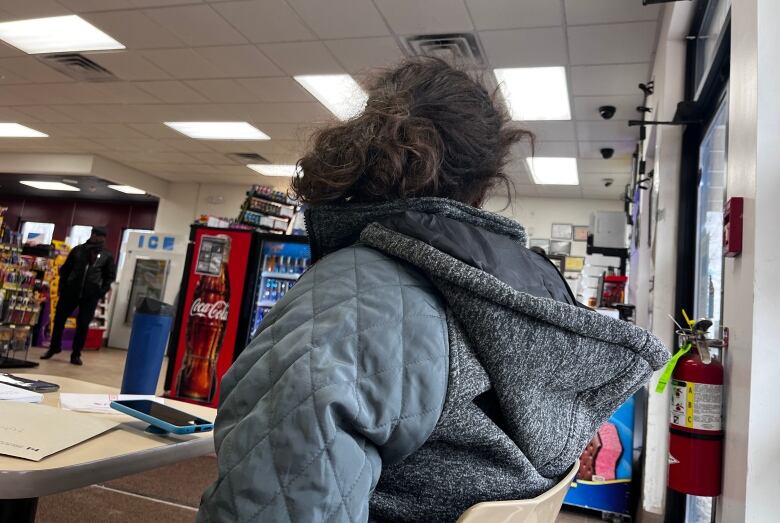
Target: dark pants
[(65, 307)]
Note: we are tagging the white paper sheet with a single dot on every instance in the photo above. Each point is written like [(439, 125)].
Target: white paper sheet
[(98, 403), (11, 393), (36, 431)]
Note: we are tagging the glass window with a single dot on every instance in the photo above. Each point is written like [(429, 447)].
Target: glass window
[(37, 232), (708, 38), (123, 249), (78, 235), (711, 198)]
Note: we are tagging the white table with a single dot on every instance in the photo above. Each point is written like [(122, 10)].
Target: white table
[(124, 450)]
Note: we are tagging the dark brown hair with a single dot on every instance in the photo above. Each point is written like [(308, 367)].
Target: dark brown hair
[(428, 129)]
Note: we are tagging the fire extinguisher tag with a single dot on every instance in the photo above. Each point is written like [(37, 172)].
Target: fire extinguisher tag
[(696, 405), (666, 375)]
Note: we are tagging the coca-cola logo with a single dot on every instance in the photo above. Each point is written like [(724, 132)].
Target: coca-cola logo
[(213, 311)]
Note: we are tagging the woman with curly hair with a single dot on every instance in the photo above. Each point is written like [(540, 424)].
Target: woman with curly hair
[(427, 360)]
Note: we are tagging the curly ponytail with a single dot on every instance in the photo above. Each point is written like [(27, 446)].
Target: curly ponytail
[(427, 130)]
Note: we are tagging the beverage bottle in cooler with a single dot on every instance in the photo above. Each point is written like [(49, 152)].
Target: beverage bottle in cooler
[(206, 327)]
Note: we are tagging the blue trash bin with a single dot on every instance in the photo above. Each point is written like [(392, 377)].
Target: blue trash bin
[(148, 337)]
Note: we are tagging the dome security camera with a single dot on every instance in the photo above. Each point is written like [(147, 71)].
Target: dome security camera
[(607, 152), (607, 111), (608, 182)]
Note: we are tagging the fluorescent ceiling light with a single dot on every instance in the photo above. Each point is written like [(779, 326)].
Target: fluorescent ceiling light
[(535, 93), (339, 93), (57, 34), (553, 171), (219, 130), (49, 186), (15, 130), (274, 170), (127, 189)]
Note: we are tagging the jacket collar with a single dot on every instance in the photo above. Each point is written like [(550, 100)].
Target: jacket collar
[(333, 227)]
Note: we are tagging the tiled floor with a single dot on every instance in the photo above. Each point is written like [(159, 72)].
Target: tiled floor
[(169, 494)]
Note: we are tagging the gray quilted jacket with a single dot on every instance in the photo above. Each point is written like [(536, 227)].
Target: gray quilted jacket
[(427, 361)]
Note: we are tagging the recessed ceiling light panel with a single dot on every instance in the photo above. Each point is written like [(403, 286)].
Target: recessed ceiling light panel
[(553, 171), (339, 93), (535, 93), (49, 186), (275, 170), (127, 189), (15, 130), (56, 34), (219, 130)]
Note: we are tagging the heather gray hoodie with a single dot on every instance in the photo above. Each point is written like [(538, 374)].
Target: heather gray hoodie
[(426, 362)]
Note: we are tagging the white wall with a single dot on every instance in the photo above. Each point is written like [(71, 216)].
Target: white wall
[(751, 287), (186, 201), (538, 214), (669, 75)]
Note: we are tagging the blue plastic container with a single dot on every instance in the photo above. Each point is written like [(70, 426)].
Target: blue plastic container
[(148, 338)]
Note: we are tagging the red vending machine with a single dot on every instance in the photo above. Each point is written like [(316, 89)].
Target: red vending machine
[(203, 344), (226, 289)]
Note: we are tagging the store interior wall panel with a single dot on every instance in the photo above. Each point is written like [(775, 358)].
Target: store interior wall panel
[(64, 213)]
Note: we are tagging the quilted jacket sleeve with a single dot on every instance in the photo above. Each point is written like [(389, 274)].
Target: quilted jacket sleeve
[(348, 373)]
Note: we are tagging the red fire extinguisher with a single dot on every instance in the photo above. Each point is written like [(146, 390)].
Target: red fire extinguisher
[(696, 415)]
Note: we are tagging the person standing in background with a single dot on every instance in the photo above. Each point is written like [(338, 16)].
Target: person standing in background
[(85, 277)]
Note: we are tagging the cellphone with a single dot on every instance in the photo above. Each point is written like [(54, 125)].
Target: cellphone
[(28, 384), (163, 417)]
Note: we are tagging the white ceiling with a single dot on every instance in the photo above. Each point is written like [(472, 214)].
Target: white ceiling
[(233, 60)]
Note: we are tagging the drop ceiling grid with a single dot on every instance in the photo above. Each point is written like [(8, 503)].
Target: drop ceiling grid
[(182, 65)]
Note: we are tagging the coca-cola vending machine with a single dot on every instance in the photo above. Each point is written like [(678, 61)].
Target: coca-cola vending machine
[(217, 307)]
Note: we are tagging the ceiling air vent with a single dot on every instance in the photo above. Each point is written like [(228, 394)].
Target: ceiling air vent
[(247, 158), (458, 48), (78, 67)]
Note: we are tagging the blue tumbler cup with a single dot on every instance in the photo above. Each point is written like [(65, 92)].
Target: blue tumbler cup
[(148, 338)]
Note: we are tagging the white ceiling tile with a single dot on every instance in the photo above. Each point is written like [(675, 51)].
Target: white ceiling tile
[(558, 131), (594, 192), (21, 9), (99, 130), (161, 3), (279, 89), (363, 54), (510, 14), (302, 58), (171, 91), (182, 63), (212, 158), (619, 165), (541, 148), (303, 112), (522, 190), (289, 131), (196, 25), (223, 91), (409, 17), (134, 29), (20, 114), (597, 179), (84, 6), (559, 191), (341, 18), (608, 11), (187, 145), (8, 50), (603, 80), (587, 107), (155, 130), (15, 95), (129, 66), (525, 47), (593, 131), (593, 149), (37, 94), (240, 61), (31, 70), (263, 21), (612, 43)]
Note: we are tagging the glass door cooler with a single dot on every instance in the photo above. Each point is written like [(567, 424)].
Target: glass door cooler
[(232, 277)]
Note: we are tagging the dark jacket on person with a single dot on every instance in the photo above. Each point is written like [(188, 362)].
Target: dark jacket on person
[(426, 362), (87, 272)]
